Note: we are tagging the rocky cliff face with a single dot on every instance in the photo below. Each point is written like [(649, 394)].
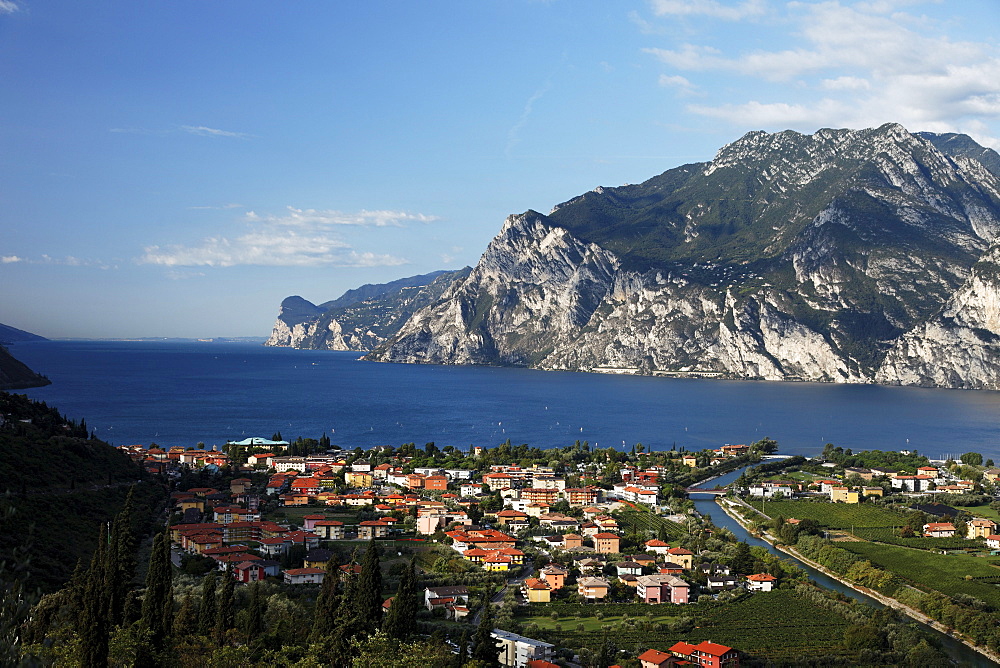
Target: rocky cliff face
[(788, 256), (359, 320)]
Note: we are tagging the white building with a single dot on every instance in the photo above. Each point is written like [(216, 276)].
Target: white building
[(517, 651)]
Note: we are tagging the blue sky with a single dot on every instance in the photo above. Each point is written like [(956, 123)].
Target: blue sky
[(178, 168)]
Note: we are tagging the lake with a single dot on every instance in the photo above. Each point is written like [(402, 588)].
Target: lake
[(183, 393)]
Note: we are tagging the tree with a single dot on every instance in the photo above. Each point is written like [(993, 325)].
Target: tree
[(186, 619), (121, 562), (225, 612), (369, 594), (972, 459), (327, 601), (93, 652), (484, 646), (253, 619), (158, 602), (742, 561), (206, 612), (399, 623)]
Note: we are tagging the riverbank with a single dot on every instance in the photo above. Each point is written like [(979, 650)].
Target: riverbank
[(727, 507)]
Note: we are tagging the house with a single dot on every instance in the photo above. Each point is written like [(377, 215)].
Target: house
[(554, 576), (843, 495), (654, 658), (991, 475), (359, 478), (516, 651), (662, 589), (249, 571), (329, 529), (721, 582), (606, 543), (373, 529), (980, 527), (295, 576), (993, 542), (536, 591), (572, 540), (460, 593), (628, 568), (592, 588), (707, 654), (761, 582), (657, 546), (681, 556), (939, 530)]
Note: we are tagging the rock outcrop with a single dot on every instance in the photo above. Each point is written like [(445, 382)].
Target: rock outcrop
[(826, 257)]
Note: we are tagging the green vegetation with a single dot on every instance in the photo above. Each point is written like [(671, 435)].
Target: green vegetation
[(638, 522), (834, 515)]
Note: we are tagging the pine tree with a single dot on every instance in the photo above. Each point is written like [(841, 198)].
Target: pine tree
[(225, 613), (93, 651), (206, 612), (327, 601), (369, 595), (399, 623)]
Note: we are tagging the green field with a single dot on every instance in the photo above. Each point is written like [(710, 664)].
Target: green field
[(833, 515), (930, 570), (890, 535), (981, 511), (634, 520), (776, 625)]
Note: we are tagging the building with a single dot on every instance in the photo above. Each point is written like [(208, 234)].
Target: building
[(654, 658), (554, 576), (516, 651), (295, 576), (606, 543), (980, 527), (662, 589), (592, 588), (761, 582), (536, 591), (939, 530), (707, 654)]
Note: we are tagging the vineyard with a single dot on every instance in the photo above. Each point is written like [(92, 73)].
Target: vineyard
[(889, 535), (635, 521), (949, 574), (778, 625), (833, 515)]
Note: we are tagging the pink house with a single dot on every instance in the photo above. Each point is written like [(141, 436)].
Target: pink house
[(662, 589)]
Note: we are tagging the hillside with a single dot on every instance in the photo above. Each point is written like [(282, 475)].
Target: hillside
[(788, 256), (62, 486), (10, 334), (361, 318), (15, 374)]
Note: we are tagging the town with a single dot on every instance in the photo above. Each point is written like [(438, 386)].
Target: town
[(512, 535)]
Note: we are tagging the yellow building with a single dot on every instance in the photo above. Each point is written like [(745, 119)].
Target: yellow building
[(536, 591), (843, 494), (872, 491), (358, 479)]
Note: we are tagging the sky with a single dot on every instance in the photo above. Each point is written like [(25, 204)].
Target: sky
[(177, 168)]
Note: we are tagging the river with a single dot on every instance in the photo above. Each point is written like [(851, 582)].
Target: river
[(705, 504)]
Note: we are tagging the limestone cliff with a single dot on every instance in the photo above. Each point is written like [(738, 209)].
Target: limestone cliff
[(788, 256)]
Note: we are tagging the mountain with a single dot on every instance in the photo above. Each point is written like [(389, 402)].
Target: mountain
[(10, 334), (788, 256), (360, 319), (15, 374)]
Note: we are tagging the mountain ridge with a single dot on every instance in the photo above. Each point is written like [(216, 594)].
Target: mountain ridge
[(786, 256)]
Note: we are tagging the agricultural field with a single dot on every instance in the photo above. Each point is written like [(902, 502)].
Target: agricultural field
[(890, 535), (778, 625), (929, 570), (636, 520), (833, 515), (981, 511)]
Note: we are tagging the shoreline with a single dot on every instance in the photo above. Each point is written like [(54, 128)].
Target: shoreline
[(881, 598)]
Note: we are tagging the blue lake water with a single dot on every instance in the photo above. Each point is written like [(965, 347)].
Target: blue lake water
[(176, 393)]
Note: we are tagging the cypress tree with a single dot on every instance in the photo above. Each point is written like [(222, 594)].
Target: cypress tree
[(206, 612), (226, 611), (186, 619), (121, 562), (327, 601), (369, 595), (484, 648), (253, 621), (158, 602), (400, 621), (93, 650)]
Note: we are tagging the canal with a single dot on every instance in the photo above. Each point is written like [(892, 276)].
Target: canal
[(705, 504)]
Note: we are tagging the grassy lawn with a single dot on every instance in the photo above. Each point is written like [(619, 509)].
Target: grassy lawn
[(833, 515), (296, 513), (981, 511), (929, 570), (777, 625)]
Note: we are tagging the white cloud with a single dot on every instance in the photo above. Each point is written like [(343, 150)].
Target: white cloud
[(514, 134), (854, 65), (8, 7), (10, 259), (329, 218), (711, 8), (203, 131), (678, 83), (297, 238)]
